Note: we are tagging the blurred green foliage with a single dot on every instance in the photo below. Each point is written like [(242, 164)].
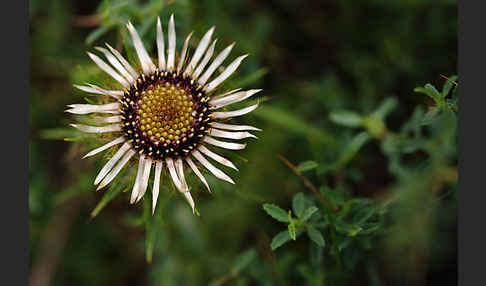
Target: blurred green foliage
[(353, 180)]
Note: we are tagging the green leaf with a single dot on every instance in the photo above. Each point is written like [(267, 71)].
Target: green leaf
[(308, 213), (243, 260), (364, 214), (453, 101), (109, 195), (97, 33), (368, 228), (354, 230), (130, 51), (106, 8), (291, 229), (430, 91), (280, 239), (306, 166), (344, 243), (450, 82), (150, 230), (79, 139), (349, 229), (454, 95), (346, 118), (147, 23), (335, 197), (386, 107), (298, 204), (61, 133), (311, 277), (316, 236), (90, 101), (276, 212), (375, 126), (248, 79), (352, 148)]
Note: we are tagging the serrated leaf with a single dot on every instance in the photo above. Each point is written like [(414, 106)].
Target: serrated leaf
[(280, 239), (308, 213), (306, 166), (291, 229), (346, 118), (316, 236), (276, 212), (298, 204)]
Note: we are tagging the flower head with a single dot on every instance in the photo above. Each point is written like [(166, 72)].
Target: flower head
[(167, 114)]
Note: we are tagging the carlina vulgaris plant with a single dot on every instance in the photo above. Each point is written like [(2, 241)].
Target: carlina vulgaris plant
[(166, 114)]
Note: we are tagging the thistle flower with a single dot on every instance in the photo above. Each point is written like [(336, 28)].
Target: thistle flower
[(167, 114)]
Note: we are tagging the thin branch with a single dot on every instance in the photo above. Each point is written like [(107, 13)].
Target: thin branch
[(328, 207), (308, 183)]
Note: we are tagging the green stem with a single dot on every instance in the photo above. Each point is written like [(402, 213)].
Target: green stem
[(329, 207), (335, 248)]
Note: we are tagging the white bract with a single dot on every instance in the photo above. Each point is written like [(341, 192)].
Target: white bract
[(194, 79)]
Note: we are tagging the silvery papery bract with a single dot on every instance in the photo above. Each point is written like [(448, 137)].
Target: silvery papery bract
[(166, 114)]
